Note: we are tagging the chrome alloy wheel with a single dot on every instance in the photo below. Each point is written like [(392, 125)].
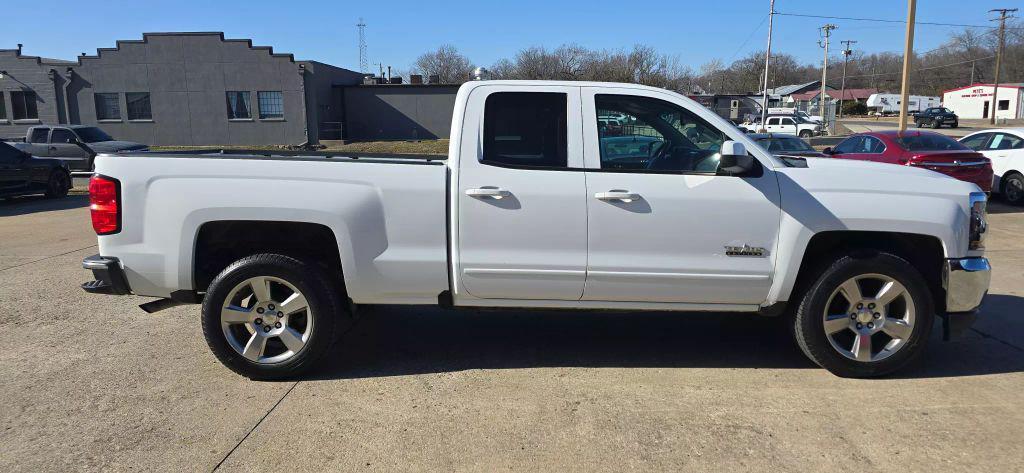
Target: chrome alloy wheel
[(266, 319), (869, 317)]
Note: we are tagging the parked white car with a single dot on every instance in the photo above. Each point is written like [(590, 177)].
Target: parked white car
[(1005, 148), (536, 206)]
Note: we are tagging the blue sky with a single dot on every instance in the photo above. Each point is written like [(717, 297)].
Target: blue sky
[(398, 31)]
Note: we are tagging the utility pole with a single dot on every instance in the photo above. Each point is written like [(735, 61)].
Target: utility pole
[(972, 73), (767, 61), (846, 58), (999, 57), (908, 53), (826, 31)]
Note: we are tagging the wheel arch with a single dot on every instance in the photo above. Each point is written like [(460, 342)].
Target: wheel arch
[(221, 242), (924, 252)]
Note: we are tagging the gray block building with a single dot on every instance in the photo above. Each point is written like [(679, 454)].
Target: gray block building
[(177, 89)]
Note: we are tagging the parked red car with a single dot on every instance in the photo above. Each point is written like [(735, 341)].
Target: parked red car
[(923, 149)]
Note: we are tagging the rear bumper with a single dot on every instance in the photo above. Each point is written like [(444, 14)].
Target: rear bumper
[(109, 276)]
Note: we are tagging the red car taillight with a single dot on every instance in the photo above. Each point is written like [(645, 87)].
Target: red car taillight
[(105, 204)]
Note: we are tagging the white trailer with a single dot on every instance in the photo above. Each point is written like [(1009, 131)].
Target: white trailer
[(889, 104)]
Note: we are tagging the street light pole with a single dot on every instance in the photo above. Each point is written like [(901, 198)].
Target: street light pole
[(908, 52), (846, 58), (767, 60)]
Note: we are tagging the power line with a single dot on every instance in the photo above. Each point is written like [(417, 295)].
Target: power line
[(882, 20), (751, 35), (924, 68)]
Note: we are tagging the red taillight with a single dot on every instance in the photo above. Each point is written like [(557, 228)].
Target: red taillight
[(104, 205)]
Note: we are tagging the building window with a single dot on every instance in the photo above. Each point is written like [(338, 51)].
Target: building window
[(271, 104), (23, 103), (3, 107), (108, 107), (1004, 105), (238, 105), (138, 106)]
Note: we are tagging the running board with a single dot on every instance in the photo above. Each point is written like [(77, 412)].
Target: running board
[(160, 304)]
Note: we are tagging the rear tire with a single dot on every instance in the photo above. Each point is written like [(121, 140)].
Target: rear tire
[(918, 123), (1012, 188), (58, 185), (935, 124), (249, 331), (825, 317)]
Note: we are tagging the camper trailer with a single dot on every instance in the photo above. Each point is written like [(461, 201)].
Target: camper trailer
[(889, 104), (735, 108)]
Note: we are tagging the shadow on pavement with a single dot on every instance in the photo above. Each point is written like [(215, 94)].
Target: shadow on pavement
[(996, 205), (395, 341), (32, 204)]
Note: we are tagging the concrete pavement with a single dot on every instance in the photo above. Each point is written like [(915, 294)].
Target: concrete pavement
[(92, 382)]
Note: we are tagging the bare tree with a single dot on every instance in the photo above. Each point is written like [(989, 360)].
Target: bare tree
[(446, 63)]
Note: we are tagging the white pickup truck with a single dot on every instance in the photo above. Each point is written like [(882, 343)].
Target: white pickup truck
[(537, 206)]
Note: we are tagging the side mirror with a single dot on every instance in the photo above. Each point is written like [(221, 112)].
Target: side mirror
[(734, 160), (828, 150)]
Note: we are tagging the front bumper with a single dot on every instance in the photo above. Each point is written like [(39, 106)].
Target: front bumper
[(109, 276), (966, 282)]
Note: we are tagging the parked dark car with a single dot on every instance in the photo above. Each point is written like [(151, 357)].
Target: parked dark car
[(935, 117), (23, 174), (75, 144), (924, 149), (786, 145)]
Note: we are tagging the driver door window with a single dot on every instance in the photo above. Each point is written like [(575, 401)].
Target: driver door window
[(655, 136)]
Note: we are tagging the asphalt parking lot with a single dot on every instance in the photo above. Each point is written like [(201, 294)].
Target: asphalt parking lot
[(92, 382)]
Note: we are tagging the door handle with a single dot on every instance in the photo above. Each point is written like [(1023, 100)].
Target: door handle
[(624, 196), (488, 192)]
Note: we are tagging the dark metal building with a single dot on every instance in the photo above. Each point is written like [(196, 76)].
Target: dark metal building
[(177, 89), (396, 111)]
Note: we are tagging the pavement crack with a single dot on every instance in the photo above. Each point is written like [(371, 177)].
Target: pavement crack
[(45, 258), (993, 337), (254, 427)]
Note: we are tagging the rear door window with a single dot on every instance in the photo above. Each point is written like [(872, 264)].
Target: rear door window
[(39, 135), (526, 129), (1005, 141)]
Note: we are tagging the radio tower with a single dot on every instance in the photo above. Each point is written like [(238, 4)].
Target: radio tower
[(363, 62)]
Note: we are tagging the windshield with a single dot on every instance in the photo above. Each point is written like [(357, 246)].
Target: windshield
[(92, 135), (929, 142)]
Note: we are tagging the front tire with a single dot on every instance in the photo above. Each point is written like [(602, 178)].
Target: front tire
[(270, 316), (865, 316), (1012, 188), (936, 124), (58, 185), (806, 134)]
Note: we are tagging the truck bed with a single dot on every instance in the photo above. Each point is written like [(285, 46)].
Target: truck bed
[(387, 213)]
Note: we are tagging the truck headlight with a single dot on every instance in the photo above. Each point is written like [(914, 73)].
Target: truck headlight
[(978, 224)]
